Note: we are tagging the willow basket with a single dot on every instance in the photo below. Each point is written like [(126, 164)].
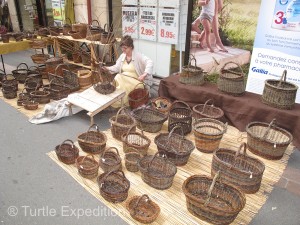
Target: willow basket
[(67, 152), (161, 104), (191, 74), (87, 166), (138, 96), (110, 160), (207, 111), (131, 160)]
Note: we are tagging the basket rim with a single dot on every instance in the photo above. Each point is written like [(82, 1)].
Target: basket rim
[(103, 175), (79, 138), (198, 121), (294, 88), (124, 139), (79, 160), (163, 116), (221, 112)]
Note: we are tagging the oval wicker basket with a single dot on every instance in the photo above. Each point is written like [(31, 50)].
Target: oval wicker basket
[(110, 160), (30, 105), (87, 166), (280, 93), (138, 96), (93, 142), (268, 140), (131, 160), (212, 201), (177, 148), (157, 172), (67, 152), (21, 73), (143, 209), (113, 186), (238, 169), (207, 111), (40, 96), (208, 134), (192, 74), (161, 104)]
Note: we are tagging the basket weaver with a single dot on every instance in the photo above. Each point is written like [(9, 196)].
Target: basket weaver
[(207, 111), (110, 160), (67, 152)]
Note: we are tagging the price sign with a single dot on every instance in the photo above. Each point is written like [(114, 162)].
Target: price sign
[(147, 25), (130, 21), (169, 3), (148, 2), (168, 25)]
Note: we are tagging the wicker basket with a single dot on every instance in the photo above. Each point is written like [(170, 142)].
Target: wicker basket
[(148, 119), (268, 140), (135, 140), (232, 82), (279, 93), (84, 78), (67, 152), (92, 141), (110, 160), (208, 134), (38, 43), (9, 94), (40, 96), (180, 115), (177, 148), (121, 123), (58, 91), (31, 85), (138, 96), (94, 31), (207, 111), (71, 79), (81, 29), (191, 74), (9, 83), (67, 26), (131, 160), (87, 166), (51, 65), (212, 201), (105, 88), (158, 172), (143, 209), (161, 104), (238, 169), (113, 186), (40, 58), (21, 73), (5, 38)]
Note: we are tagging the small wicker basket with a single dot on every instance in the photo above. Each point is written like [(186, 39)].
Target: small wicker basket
[(21, 72), (161, 104), (192, 74), (131, 160), (110, 160), (138, 96), (67, 152), (87, 166), (207, 111), (30, 105)]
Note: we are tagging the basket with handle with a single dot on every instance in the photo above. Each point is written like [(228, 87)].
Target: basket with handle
[(268, 140), (180, 114), (192, 74), (143, 209), (208, 134), (94, 31), (121, 123), (58, 91), (177, 148), (40, 96), (21, 72), (107, 36), (131, 160), (230, 81), (10, 94), (38, 43), (71, 79), (87, 166), (135, 140), (67, 152), (80, 29), (211, 200), (110, 160), (161, 104), (113, 186), (30, 85), (92, 141), (157, 171), (238, 169), (51, 65), (9, 83), (138, 96), (279, 93), (207, 111)]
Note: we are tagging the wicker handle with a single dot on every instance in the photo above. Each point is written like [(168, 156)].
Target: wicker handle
[(211, 188), (132, 150), (106, 150), (139, 84), (234, 72), (283, 78), (92, 126), (59, 65), (180, 102), (87, 156), (192, 58), (105, 27), (119, 111), (273, 123), (144, 196), (157, 155), (170, 134), (35, 67), (242, 146), (65, 142), (205, 104), (112, 172), (21, 65), (96, 22)]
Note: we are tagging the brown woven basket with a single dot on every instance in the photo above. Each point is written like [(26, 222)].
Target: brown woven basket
[(84, 78), (131, 160), (157, 172), (58, 91), (138, 96), (280, 93), (191, 74), (67, 26), (238, 169), (40, 96), (121, 123), (30, 85), (38, 43), (212, 201), (9, 83), (268, 140), (5, 38), (70, 79), (51, 65), (177, 148), (87, 166), (143, 209), (81, 28), (92, 141), (21, 72), (110, 160), (208, 134), (232, 82), (113, 186), (67, 152), (207, 111), (161, 104), (94, 31), (180, 114), (105, 87), (9, 94)]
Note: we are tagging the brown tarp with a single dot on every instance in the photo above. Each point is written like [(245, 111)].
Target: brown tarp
[(238, 111)]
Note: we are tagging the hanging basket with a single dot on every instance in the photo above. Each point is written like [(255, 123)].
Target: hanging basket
[(110, 160), (138, 96), (238, 169), (232, 82), (87, 166), (191, 74), (268, 140), (67, 152), (212, 201), (93, 142), (177, 148), (280, 93), (207, 111)]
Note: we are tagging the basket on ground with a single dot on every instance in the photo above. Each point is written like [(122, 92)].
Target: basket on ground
[(131, 160), (208, 134), (192, 74), (268, 140), (138, 96), (40, 96), (238, 169), (67, 152), (92, 141), (110, 160), (161, 104), (87, 166), (30, 105), (157, 171), (143, 209), (207, 111), (21, 72), (212, 201), (279, 93), (113, 186), (177, 148)]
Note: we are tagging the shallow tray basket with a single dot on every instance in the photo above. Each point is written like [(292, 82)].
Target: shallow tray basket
[(110, 160), (67, 152), (238, 169), (92, 141), (143, 209), (207, 111), (279, 93), (268, 140), (87, 166), (212, 201)]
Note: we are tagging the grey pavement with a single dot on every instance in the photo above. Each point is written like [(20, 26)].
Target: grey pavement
[(43, 193)]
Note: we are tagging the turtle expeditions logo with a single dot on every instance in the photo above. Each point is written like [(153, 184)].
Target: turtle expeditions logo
[(258, 70)]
